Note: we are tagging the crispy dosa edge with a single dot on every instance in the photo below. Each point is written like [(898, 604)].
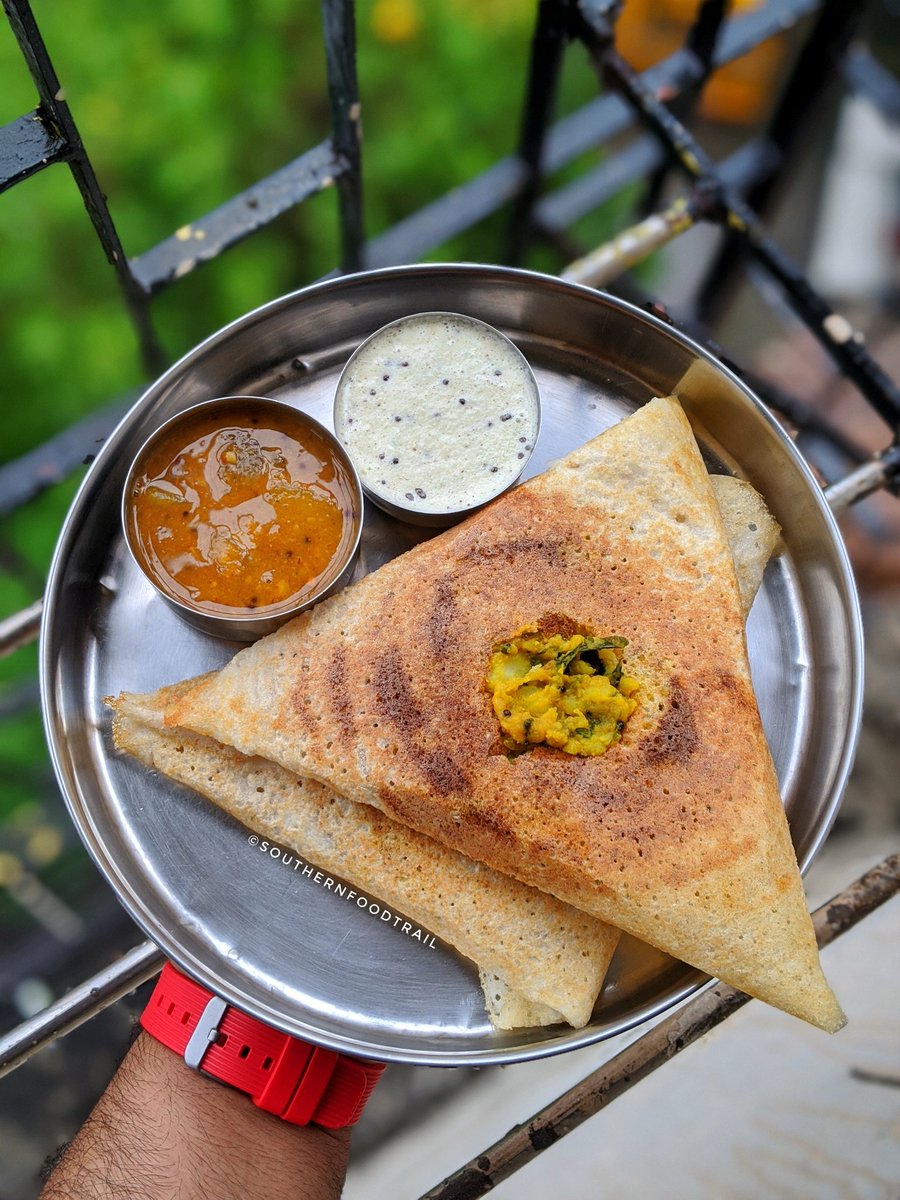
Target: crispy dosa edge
[(551, 958), (509, 1010), (751, 530), (677, 834)]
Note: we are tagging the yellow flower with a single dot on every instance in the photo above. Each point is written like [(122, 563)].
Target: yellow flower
[(396, 20)]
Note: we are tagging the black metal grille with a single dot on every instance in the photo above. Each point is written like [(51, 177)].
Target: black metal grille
[(732, 193)]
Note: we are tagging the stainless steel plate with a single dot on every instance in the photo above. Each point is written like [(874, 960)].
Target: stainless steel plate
[(251, 925)]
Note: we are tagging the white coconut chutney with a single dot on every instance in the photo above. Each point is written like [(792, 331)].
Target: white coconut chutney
[(439, 413)]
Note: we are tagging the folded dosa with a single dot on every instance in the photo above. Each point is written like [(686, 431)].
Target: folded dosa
[(541, 961), (559, 955), (677, 834)]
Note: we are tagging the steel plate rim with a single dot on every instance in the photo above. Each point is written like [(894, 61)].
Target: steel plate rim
[(80, 815)]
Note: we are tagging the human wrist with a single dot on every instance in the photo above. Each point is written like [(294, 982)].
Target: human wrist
[(302, 1083), (163, 1130)]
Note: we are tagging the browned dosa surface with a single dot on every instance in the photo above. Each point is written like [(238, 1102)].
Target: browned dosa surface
[(541, 961), (677, 834)]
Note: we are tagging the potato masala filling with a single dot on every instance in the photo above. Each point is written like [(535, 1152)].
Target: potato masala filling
[(570, 693)]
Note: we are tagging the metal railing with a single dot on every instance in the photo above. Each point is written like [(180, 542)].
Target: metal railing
[(654, 110)]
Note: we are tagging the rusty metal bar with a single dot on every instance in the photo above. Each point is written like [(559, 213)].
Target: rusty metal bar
[(832, 330), (882, 471), (80, 1004), (52, 461), (631, 246), (206, 238), (20, 628), (590, 126), (806, 418), (701, 41), (810, 84), (524, 1142), (56, 114), (27, 145), (50, 135), (642, 156), (335, 162), (551, 36), (339, 26), (607, 262), (555, 212)]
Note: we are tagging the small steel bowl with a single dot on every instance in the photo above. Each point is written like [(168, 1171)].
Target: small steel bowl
[(389, 499), (241, 626)]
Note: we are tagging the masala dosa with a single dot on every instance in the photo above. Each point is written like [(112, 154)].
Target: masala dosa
[(550, 959), (677, 834), (361, 845)]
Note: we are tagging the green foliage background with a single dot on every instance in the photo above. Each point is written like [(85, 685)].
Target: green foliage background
[(181, 104)]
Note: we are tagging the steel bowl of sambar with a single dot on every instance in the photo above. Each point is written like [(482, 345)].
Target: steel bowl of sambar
[(242, 512)]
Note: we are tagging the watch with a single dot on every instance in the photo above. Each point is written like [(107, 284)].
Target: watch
[(298, 1082)]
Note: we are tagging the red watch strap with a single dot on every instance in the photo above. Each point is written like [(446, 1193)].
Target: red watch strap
[(298, 1082)]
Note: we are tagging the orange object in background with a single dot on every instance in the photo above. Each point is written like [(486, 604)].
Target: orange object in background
[(740, 93)]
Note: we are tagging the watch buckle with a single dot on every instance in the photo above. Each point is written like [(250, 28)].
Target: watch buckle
[(205, 1032)]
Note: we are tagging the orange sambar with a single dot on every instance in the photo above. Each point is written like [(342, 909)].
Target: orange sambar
[(234, 509)]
